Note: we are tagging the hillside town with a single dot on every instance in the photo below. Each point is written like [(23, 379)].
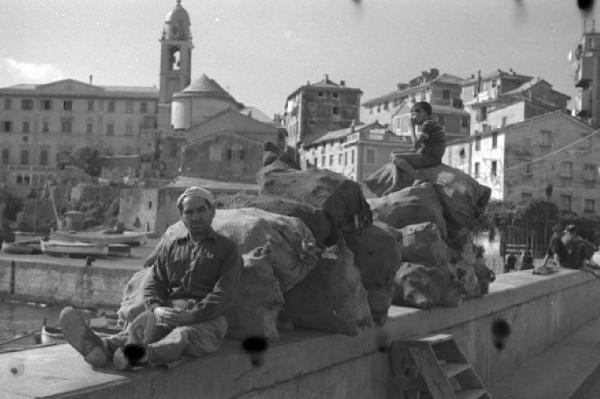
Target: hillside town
[(178, 227)]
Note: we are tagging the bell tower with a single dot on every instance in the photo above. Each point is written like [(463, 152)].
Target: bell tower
[(175, 62)]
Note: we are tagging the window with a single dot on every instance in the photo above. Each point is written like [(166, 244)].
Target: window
[(386, 105), (5, 156), (331, 160), (111, 106), (323, 159), (481, 114), (566, 169), (89, 128), (7, 103), (565, 202), (446, 94), (528, 170), (589, 172), (346, 158), (370, 155), (504, 120), (45, 127), (128, 129), (27, 104), (464, 122), (6, 126), (46, 105), (477, 143), (340, 158), (335, 110), (24, 157), (43, 157), (494, 140), (320, 94), (66, 126), (526, 196), (25, 127), (441, 120), (494, 168), (462, 154), (68, 105), (352, 157), (589, 206), (25, 139), (546, 138), (143, 107), (110, 129), (90, 106), (129, 106), (476, 169), (335, 95)]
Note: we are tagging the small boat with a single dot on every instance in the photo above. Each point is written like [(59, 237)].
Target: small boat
[(134, 238), (31, 247), (73, 248)]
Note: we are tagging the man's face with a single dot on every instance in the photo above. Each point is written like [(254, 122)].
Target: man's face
[(419, 116), (197, 215)]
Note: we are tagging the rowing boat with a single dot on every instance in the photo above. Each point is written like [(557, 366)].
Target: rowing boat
[(72, 248), (135, 238)]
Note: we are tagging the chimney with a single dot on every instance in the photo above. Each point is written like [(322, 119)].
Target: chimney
[(326, 78), (91, 78), (342, 83)]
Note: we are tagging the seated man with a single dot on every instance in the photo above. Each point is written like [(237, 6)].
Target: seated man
[(429, 142), (526, 260), (193, 281), (511, 262)]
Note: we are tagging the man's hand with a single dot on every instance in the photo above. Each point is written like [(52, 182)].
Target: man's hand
[(173, 317)]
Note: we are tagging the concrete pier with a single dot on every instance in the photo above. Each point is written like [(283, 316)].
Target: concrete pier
[(542, 310)]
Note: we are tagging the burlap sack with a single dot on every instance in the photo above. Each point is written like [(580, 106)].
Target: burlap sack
[(341, 198), (422, 243), (294, 252), (315, 219), (132, 303), (424, 287), (412, 205), (259, 301), (388, 179), (462, 197), (331, 298), (377, 254)]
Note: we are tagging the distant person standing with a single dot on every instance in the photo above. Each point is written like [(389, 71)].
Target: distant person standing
[(429, 140), (556, 248), (511, 262), (526, 260)]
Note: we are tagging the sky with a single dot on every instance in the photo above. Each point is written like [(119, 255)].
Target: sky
[(263, 50)]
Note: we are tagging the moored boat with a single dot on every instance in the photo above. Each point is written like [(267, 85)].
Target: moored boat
[(22, 247), (73, 248), (135, 238)]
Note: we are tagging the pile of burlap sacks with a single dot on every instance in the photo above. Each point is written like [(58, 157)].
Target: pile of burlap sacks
[(314, 257)]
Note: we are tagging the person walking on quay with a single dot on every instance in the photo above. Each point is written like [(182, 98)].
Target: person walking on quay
[(192, 283), (556, 248), (429, 141)]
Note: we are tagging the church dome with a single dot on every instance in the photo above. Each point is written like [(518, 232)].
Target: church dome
[(178, 14), (207, 88)]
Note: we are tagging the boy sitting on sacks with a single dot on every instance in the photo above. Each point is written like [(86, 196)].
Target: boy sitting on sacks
[(194, 280)]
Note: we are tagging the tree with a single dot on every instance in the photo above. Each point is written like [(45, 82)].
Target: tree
[(88, 159)]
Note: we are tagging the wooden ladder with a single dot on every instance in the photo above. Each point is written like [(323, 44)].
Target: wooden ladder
[(433, 367)]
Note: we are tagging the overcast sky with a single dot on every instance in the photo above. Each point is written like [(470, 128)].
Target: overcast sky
[(262, 50)]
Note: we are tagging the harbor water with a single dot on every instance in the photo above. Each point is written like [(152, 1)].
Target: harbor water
[(19, 318)]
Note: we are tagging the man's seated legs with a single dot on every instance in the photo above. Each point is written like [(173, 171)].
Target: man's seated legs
[(194, 339)]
